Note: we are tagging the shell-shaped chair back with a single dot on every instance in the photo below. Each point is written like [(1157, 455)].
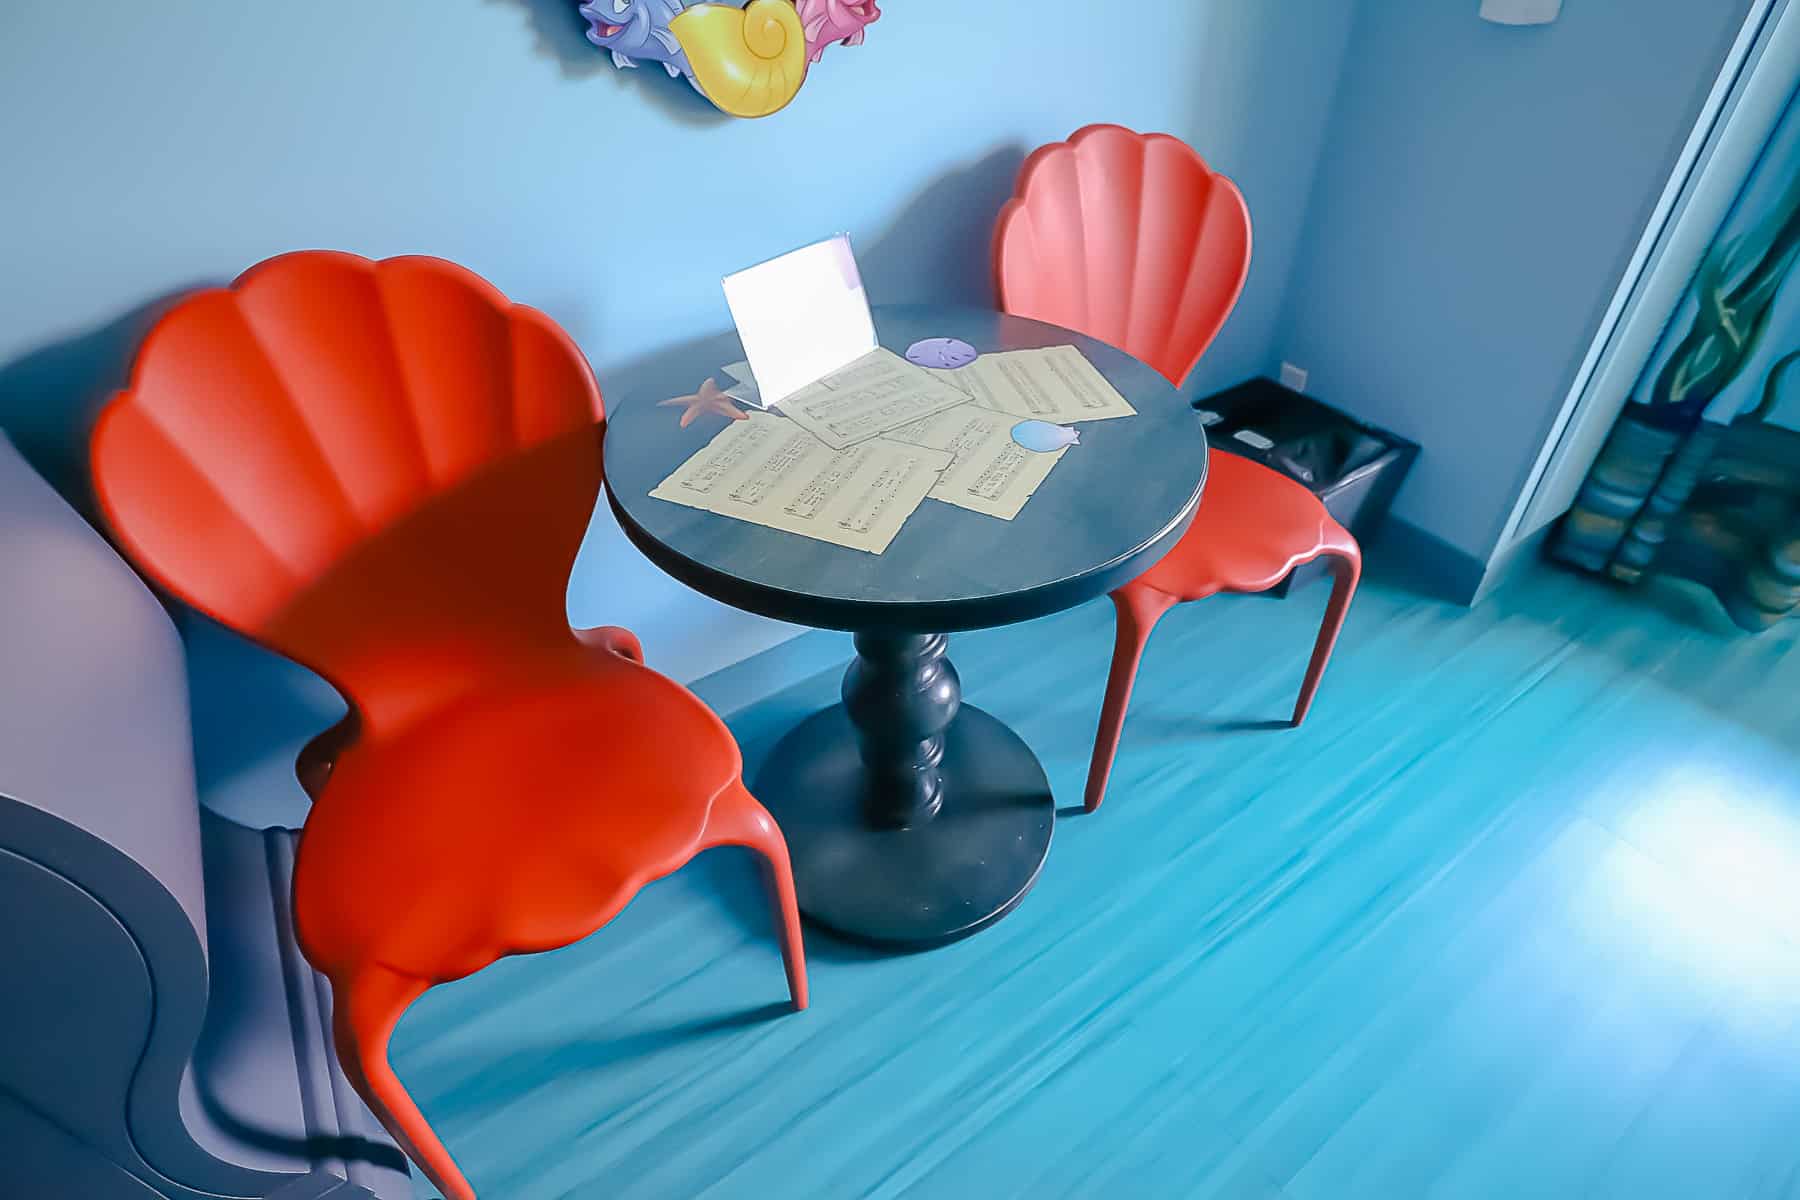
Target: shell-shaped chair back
[(354, 461), (1127, 237)]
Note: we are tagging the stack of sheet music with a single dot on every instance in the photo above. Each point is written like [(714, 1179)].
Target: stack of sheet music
[(849, 458)]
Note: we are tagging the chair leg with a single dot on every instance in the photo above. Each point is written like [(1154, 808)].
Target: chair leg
[(365, 1010), (1346, 569), (1136, 612), (739, 819)]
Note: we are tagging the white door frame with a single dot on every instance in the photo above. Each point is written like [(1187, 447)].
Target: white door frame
[(1741, 111)]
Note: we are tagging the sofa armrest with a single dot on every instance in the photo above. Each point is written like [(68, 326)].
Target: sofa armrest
[(94, 713), (108, 987)]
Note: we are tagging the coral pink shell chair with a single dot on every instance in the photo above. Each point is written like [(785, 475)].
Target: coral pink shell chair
[(1133, 239), (383, 470)]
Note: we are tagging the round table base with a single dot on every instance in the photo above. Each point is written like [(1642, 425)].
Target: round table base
[(933, 882)]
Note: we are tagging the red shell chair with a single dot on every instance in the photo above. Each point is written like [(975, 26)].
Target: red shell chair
[(1131, 238), (383, 470)]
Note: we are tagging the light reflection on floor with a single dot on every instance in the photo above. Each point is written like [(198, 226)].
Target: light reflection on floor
[(1516, 914)]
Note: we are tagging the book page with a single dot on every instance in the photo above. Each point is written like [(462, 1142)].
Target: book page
[(744, 385), (771, 472), (1057, 384), (801, 316), (878, 392), (989, 473)]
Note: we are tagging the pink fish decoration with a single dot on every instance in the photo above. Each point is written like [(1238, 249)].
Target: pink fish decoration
[(827, 21)]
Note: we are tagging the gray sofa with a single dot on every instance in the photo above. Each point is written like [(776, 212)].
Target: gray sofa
[(160, 1035)]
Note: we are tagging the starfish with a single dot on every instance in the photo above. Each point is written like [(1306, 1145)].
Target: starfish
[(709, 399)]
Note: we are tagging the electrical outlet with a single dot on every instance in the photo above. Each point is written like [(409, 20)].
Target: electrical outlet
[(1293, 378)]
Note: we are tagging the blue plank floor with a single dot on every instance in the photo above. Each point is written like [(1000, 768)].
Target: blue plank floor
[(1517, 913)]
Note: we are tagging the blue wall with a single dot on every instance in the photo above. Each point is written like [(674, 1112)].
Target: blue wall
[(154, 147), (1481, 191)]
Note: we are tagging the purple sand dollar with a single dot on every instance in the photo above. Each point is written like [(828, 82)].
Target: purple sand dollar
[(941, 352), (1044, 437)]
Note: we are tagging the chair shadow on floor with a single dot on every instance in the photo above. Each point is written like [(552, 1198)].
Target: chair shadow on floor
[(1152, 727), (732, 879), (523, 1070)]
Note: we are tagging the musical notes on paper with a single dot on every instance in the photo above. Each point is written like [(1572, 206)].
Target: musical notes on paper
[(1057, 384), (847, 460), (877, 393), (772, 472), (989, 473)]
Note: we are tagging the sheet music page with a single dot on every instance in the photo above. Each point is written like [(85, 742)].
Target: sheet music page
[(877, 393), (772, 472), (728, 457), (989, 473), (1057, 384)]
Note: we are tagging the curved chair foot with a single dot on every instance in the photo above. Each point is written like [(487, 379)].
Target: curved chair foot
[(365, 1010), (368, 1005), (739, 819), (1346, 570), (1137, 611), (613, 639)]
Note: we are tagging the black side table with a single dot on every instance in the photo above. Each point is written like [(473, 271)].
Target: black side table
[(913, 818)]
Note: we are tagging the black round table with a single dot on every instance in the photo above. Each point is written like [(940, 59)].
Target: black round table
[(912, 818)]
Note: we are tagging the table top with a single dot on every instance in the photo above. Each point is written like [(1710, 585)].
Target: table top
[(1114, 504)]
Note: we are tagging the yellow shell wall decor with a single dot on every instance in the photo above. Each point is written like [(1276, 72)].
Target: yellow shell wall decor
[(749, 60)]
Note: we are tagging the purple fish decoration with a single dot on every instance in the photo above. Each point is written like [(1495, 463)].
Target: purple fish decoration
[(1044, 437), (637, 29), (943, 353)]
